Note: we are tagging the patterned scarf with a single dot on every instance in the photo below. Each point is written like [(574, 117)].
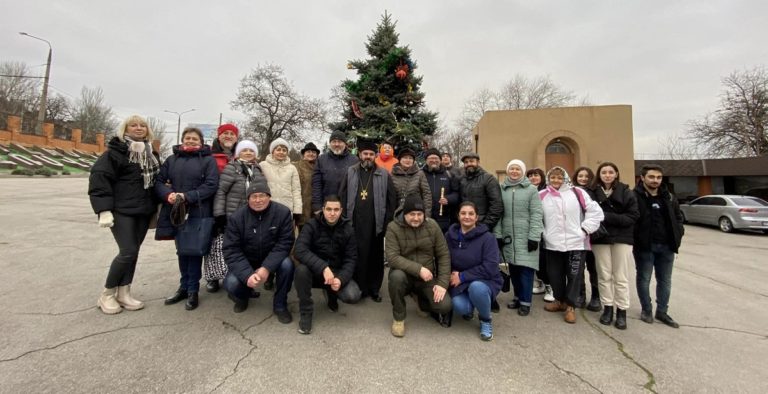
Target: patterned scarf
[(140, 152)]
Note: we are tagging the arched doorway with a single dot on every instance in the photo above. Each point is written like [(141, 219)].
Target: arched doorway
[(559, 153)]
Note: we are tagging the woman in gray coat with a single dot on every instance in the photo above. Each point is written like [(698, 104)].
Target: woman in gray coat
[(519, 232)]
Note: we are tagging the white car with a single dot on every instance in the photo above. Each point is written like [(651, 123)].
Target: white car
[(729, 212)]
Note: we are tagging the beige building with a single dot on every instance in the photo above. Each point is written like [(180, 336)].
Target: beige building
[(570, 137)]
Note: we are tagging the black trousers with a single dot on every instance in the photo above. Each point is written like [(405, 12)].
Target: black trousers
[(304, 280), (369, 271), (129, 232), (592, 269), (564, 270)]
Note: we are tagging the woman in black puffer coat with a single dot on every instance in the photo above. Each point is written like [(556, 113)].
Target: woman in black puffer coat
[(613, 253), (190, 174), (121, 189)]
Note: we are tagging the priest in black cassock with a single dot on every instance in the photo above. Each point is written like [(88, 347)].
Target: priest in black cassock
[(369, 199)]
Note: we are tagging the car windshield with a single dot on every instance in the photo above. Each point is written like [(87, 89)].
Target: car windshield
[(749, 202)]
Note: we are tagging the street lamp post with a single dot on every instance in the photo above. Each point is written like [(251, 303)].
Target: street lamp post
[(44, 96), (178, 126)]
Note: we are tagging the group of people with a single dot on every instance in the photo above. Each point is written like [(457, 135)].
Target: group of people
[(453, 239)]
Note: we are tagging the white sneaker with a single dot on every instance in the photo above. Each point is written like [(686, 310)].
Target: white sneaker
[(538, 287), (549, 296)]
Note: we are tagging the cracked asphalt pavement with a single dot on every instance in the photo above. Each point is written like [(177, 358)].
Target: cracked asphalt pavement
[(54, 259)]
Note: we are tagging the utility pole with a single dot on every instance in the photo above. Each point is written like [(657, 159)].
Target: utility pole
[(44, 96), (178, 126)]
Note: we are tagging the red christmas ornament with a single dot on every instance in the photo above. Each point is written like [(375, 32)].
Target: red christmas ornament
[(401, 71), (356, 110)]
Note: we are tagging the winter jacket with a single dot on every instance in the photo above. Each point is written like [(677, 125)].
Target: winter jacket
[(564, 222), (408, 249), (329, 172), (411, 181), (522, 221), (673, 219), (232, 186), (388, 164), (620, 211), (284, 183), (193, 173), (220, 155), (483, 189), (438, 179), (321, 245), (475, 255), (305, 169), (117, 185), (257, 239), (384, 196)]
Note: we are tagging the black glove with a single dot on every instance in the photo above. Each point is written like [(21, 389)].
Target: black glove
[(221, 223), (500, 242), (532, 245)]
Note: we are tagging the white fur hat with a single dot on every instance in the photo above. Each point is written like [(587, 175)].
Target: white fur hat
[(245, 144), (277, 142), (518, 163)]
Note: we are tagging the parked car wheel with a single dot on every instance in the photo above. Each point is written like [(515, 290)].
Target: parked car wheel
[(726, 225)]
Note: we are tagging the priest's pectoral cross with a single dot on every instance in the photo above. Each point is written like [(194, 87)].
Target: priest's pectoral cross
[(364, 194)]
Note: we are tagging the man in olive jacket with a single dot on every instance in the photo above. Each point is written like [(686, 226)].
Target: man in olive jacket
[(419, 263)]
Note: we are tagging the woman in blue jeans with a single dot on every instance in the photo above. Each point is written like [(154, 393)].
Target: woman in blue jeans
[(475, 277)]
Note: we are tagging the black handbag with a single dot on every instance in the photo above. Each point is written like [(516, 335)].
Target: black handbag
[(193, 236), (600, 234)]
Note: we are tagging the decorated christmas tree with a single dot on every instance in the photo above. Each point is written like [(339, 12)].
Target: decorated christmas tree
[(385, 102)]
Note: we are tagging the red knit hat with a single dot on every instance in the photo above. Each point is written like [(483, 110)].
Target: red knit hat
[(228, 127)]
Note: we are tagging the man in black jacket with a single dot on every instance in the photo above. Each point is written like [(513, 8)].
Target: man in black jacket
[(327, 255), (444, 188), (658, 233), (330, 169), (482, 189), (257, 242)]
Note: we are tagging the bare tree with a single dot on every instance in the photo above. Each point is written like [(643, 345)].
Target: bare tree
[(57, 109), (455, 141), (92, 115), (677, 147), (738, 127), (18, 89), (160, 130), (275, 108)]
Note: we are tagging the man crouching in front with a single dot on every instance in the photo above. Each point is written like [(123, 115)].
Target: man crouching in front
[(419, 263), (257, 241)]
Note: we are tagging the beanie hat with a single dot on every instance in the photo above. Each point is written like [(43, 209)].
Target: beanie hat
[(518, 163), (364, 144), (310, 146), (259, 187), (338, 135), (432, 151), (245, 144), (278, 142), (470, 155), (413, 203), (406, 152), (228, 127)]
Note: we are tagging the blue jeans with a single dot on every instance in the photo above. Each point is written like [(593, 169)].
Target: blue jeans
[(283, 280), (661, 258), (477, 295), (191, 270), (522, 282)]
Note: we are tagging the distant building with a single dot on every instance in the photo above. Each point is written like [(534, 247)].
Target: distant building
[(209, 131)]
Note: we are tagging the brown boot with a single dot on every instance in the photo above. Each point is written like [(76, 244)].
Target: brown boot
[(108, 303), (570, 315), (127, 301), (555, 306), (398, 328)]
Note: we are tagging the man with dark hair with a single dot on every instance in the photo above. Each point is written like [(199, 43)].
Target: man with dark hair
[(420, 263), (444, 188), (330, 169), (658, 234), (368, 197), (257, 242), (327, 254)]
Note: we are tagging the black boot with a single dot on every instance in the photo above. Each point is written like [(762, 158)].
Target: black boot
[(495, 306), (621, 319), (607, 317), (212, 286), (269, 284), (594, 302), (192, 302), (179, 295), (581, 300)]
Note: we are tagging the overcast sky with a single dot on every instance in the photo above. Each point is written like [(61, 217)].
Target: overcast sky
[(664, 58)]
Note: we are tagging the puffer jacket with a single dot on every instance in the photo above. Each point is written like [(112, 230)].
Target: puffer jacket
[(475, 255), (620, 211), (522, 221), (193, 173), (117, 185), (438, 179), (257, 239), (284, 183), (673, 219), (330, 170), (408, 249), (232, 186), (412, 181), (321, 245), (483, 189), (564, 223), (305, 169)]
